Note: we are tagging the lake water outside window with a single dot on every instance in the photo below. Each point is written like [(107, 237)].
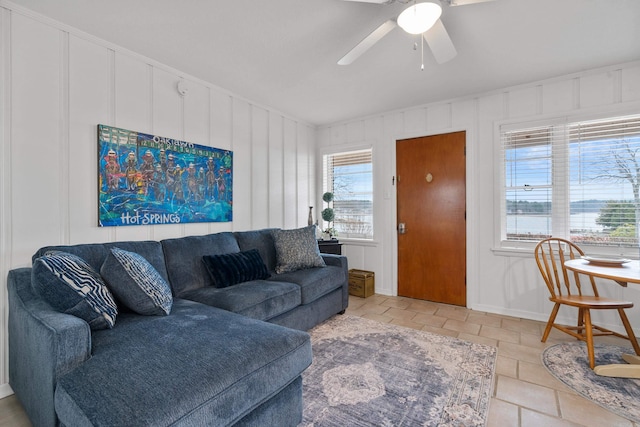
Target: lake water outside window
[(577, 180)]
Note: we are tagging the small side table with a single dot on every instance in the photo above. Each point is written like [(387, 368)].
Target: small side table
[(332, 246)]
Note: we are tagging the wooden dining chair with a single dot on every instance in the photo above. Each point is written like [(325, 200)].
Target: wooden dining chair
[(566, 289)]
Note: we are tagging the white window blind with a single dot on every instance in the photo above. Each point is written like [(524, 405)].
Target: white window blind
[(349, 176), (577, 180)]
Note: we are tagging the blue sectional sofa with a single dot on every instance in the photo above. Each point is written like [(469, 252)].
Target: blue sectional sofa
[(229, 354)]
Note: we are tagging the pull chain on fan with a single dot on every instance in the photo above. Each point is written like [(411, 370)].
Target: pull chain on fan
[(422, 53)]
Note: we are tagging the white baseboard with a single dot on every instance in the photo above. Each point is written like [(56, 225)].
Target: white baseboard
[(562, 319), (5, 390)]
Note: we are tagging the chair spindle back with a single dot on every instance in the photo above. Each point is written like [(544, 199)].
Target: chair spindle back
[(551, 255)]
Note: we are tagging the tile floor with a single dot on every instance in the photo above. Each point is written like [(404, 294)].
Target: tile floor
[(524, 395)]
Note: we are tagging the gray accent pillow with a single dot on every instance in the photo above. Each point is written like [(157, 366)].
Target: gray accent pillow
[(296, 249), (72, 286), (136, 284)]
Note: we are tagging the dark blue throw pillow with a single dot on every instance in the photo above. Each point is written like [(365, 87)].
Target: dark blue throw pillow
[(70, 285), (136, 283), (233, 268)]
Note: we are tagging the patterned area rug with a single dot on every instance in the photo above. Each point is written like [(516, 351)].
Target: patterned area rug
[(569, 363), (367, 373)]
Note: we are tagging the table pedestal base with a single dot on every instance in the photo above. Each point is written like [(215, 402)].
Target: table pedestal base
[(632, 370)]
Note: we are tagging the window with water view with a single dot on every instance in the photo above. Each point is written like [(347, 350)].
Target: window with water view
[(349, 176), (579, 180)]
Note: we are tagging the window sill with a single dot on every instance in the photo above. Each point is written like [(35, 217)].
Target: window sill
[(513, 252), (525, 252), (358, 242)]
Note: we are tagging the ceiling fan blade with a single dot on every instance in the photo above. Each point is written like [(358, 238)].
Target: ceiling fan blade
[(465, 2), (440, 43), (368, 41)]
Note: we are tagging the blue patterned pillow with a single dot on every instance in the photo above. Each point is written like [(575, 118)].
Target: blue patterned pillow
[(233, 268), (71, 286), (297, 249), (136, 284)]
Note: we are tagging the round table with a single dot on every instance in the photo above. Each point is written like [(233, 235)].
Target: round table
[(628, 272)]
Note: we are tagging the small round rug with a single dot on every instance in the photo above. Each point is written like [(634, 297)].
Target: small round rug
[(569, 363)]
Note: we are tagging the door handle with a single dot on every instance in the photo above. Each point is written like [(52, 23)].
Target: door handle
[(401, 228)]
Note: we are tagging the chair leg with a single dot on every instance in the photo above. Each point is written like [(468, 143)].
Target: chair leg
[(552, 318), (589, 337), (629, 329), (580, 321)]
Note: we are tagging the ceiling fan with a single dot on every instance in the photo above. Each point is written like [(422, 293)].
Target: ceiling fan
[(419, 18)]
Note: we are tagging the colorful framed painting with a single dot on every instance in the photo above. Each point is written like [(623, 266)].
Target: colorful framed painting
[(148, 180)]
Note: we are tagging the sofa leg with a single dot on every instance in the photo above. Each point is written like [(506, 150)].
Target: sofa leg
[(342, 312)]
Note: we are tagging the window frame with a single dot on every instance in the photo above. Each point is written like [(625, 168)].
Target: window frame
[(560, 212), (345, 149)]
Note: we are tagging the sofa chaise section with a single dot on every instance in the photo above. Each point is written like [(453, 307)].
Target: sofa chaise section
[(193, 367)]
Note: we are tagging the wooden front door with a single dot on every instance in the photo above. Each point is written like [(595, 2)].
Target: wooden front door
[(431, 218)]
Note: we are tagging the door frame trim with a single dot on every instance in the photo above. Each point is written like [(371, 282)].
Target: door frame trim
[(471, 204)]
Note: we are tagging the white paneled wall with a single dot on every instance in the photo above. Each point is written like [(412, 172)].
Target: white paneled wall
[(57, 84), (497, 281)]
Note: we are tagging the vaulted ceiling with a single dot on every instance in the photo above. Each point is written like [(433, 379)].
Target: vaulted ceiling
[(284, 53)]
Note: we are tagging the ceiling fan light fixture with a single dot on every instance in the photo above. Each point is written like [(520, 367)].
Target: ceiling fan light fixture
[(419, 18)]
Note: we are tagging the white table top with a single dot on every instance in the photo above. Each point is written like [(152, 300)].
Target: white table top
[(628, 272)]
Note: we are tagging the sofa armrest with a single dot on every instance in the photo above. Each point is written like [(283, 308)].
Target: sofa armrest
[(336, 260), (43, 345), (340, 261)]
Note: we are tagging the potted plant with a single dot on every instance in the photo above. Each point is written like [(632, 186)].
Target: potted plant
[(328, 215)]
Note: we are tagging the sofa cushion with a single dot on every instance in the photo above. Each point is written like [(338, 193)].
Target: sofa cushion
[(136, 284), (71, 286), (314, 282), (296, 249), (230, 269), (184, 259), (257, 299), (197, 366), (262, 240)]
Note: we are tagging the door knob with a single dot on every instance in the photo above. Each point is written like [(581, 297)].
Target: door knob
[(401, 228)]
